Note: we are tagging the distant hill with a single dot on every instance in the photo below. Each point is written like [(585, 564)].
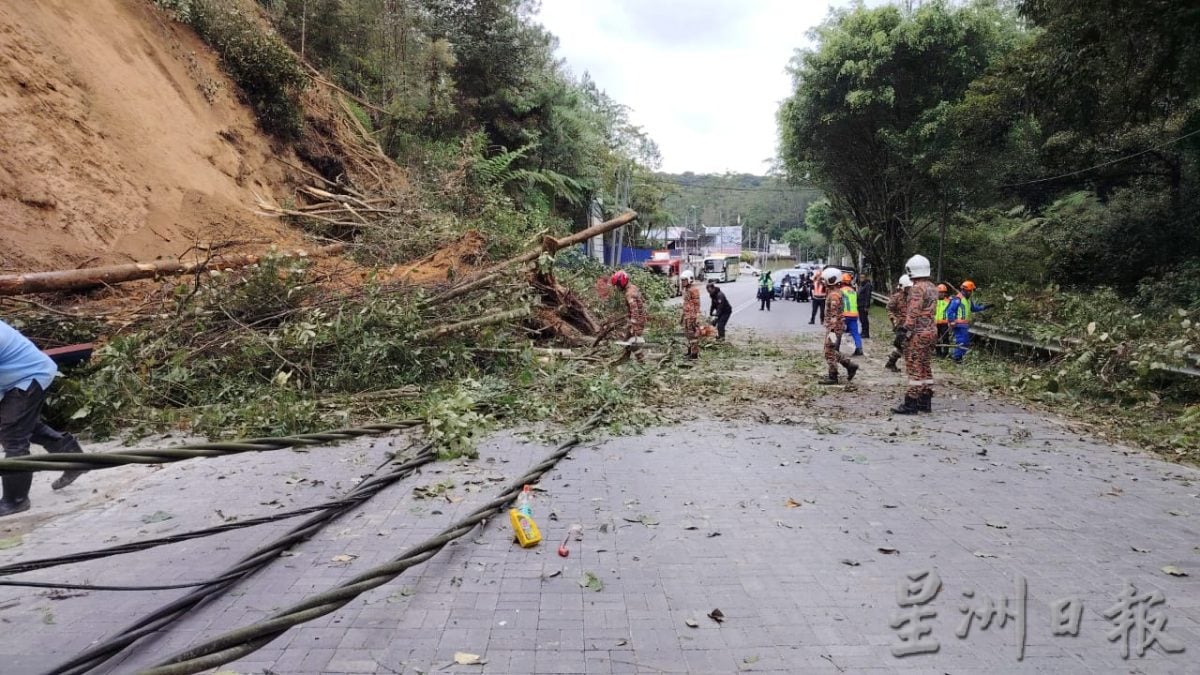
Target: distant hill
[(762, 202)]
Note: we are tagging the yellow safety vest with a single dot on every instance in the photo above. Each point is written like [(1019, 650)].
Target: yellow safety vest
[(964, 311), (849, 304), (942, 306)]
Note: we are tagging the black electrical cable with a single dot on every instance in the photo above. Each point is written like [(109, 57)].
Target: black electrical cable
[(91, 461), (133, 547), (237, 643), (251, 563)]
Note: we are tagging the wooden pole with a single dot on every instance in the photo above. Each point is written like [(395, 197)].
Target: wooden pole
[(91, 277)]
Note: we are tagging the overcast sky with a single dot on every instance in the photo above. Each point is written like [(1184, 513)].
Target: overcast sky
[(703, 77)]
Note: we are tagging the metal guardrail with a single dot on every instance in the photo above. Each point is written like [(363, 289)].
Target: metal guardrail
[(995, 333)]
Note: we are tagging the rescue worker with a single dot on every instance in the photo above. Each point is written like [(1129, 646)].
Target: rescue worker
[(766, 291), (720, 308), (818, 296), (834, 328), (943, 324), (636, 305), (919, 336), (25, 375), (691, 314), (959, 312), (865, 290), (850, 311), (896, 307)]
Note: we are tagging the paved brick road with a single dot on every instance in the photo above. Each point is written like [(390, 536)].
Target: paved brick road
[(804, 588)]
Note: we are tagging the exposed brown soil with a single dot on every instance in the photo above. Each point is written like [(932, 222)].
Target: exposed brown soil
[(121, 140)]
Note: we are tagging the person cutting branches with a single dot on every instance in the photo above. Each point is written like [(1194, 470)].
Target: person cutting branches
[(959, 312), (636, 306)]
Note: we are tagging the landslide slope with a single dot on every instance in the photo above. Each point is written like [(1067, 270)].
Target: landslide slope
[(122, 140)]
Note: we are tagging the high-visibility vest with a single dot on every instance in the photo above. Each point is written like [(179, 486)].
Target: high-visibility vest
[(964, 311), (849, 303), (942, 305)]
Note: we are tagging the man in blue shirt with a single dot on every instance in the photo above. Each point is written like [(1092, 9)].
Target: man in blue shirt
[(959, 313), (25, 375)]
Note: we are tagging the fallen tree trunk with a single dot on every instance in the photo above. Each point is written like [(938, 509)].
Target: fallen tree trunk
[(91, 277), (549, 245)]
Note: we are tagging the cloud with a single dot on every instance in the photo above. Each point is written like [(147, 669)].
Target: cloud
[(703, 77)]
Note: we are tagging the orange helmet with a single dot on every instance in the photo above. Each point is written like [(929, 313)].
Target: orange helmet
[(620, 279), (968, 285), (847, 278), (942, 288)]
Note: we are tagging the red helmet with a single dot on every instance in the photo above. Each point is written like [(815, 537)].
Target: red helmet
[(620, 279), (968, 285), (847, 278)]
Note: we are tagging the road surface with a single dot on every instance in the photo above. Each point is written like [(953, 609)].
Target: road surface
[(799, 512)]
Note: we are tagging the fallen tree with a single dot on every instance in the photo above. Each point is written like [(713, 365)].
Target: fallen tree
[(93, 277)]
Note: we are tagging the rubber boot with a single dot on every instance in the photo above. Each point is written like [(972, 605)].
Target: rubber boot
[(831, 378), (851, 371), (16, 493), (69, 446), (909, 407), (925, 403), (891, 365), (857, 352)]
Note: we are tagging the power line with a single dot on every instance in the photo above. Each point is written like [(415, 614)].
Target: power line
[(1104, 164)]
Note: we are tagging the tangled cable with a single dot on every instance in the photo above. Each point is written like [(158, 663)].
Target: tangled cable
[(91, 461), (242, 641), (248, 565)]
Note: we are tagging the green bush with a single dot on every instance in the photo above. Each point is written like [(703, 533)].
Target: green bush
[(265, 69)]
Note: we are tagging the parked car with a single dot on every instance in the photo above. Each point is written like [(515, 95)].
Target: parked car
[(788, 293), (747, 268)]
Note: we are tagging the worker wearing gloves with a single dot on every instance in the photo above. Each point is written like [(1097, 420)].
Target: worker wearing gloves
[(919, 334), (943, 323), (720, 308), (834, 327), (850, 311), (25, 375), (896, 307), (959, 312), (691, 314), (636, 306)]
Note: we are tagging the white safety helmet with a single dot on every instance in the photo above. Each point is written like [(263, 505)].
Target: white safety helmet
[(905, 282), (917, 267), (687, 276), (831, 275)]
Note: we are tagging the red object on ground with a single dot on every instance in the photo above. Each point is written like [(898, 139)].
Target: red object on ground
[(71, 354)]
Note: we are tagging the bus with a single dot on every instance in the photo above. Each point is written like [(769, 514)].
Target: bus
[(721, 268)]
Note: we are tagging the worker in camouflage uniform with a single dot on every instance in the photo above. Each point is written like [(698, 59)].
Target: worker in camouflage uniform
[(834, 328), (920, 337), (691, 314), (896, 307), (636, 305)]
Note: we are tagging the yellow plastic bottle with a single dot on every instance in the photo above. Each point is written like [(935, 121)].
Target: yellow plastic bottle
[(522, 519), (526, 530)]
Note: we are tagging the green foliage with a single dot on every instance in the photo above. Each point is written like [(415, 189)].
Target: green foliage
[(764, 203), (262, 66), (866, 114), (453, 424)]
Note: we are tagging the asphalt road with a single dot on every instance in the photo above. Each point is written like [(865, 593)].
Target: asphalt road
[(784, 318)]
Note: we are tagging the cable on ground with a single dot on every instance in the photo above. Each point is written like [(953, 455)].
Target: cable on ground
[(91, 461), (251, 563)]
